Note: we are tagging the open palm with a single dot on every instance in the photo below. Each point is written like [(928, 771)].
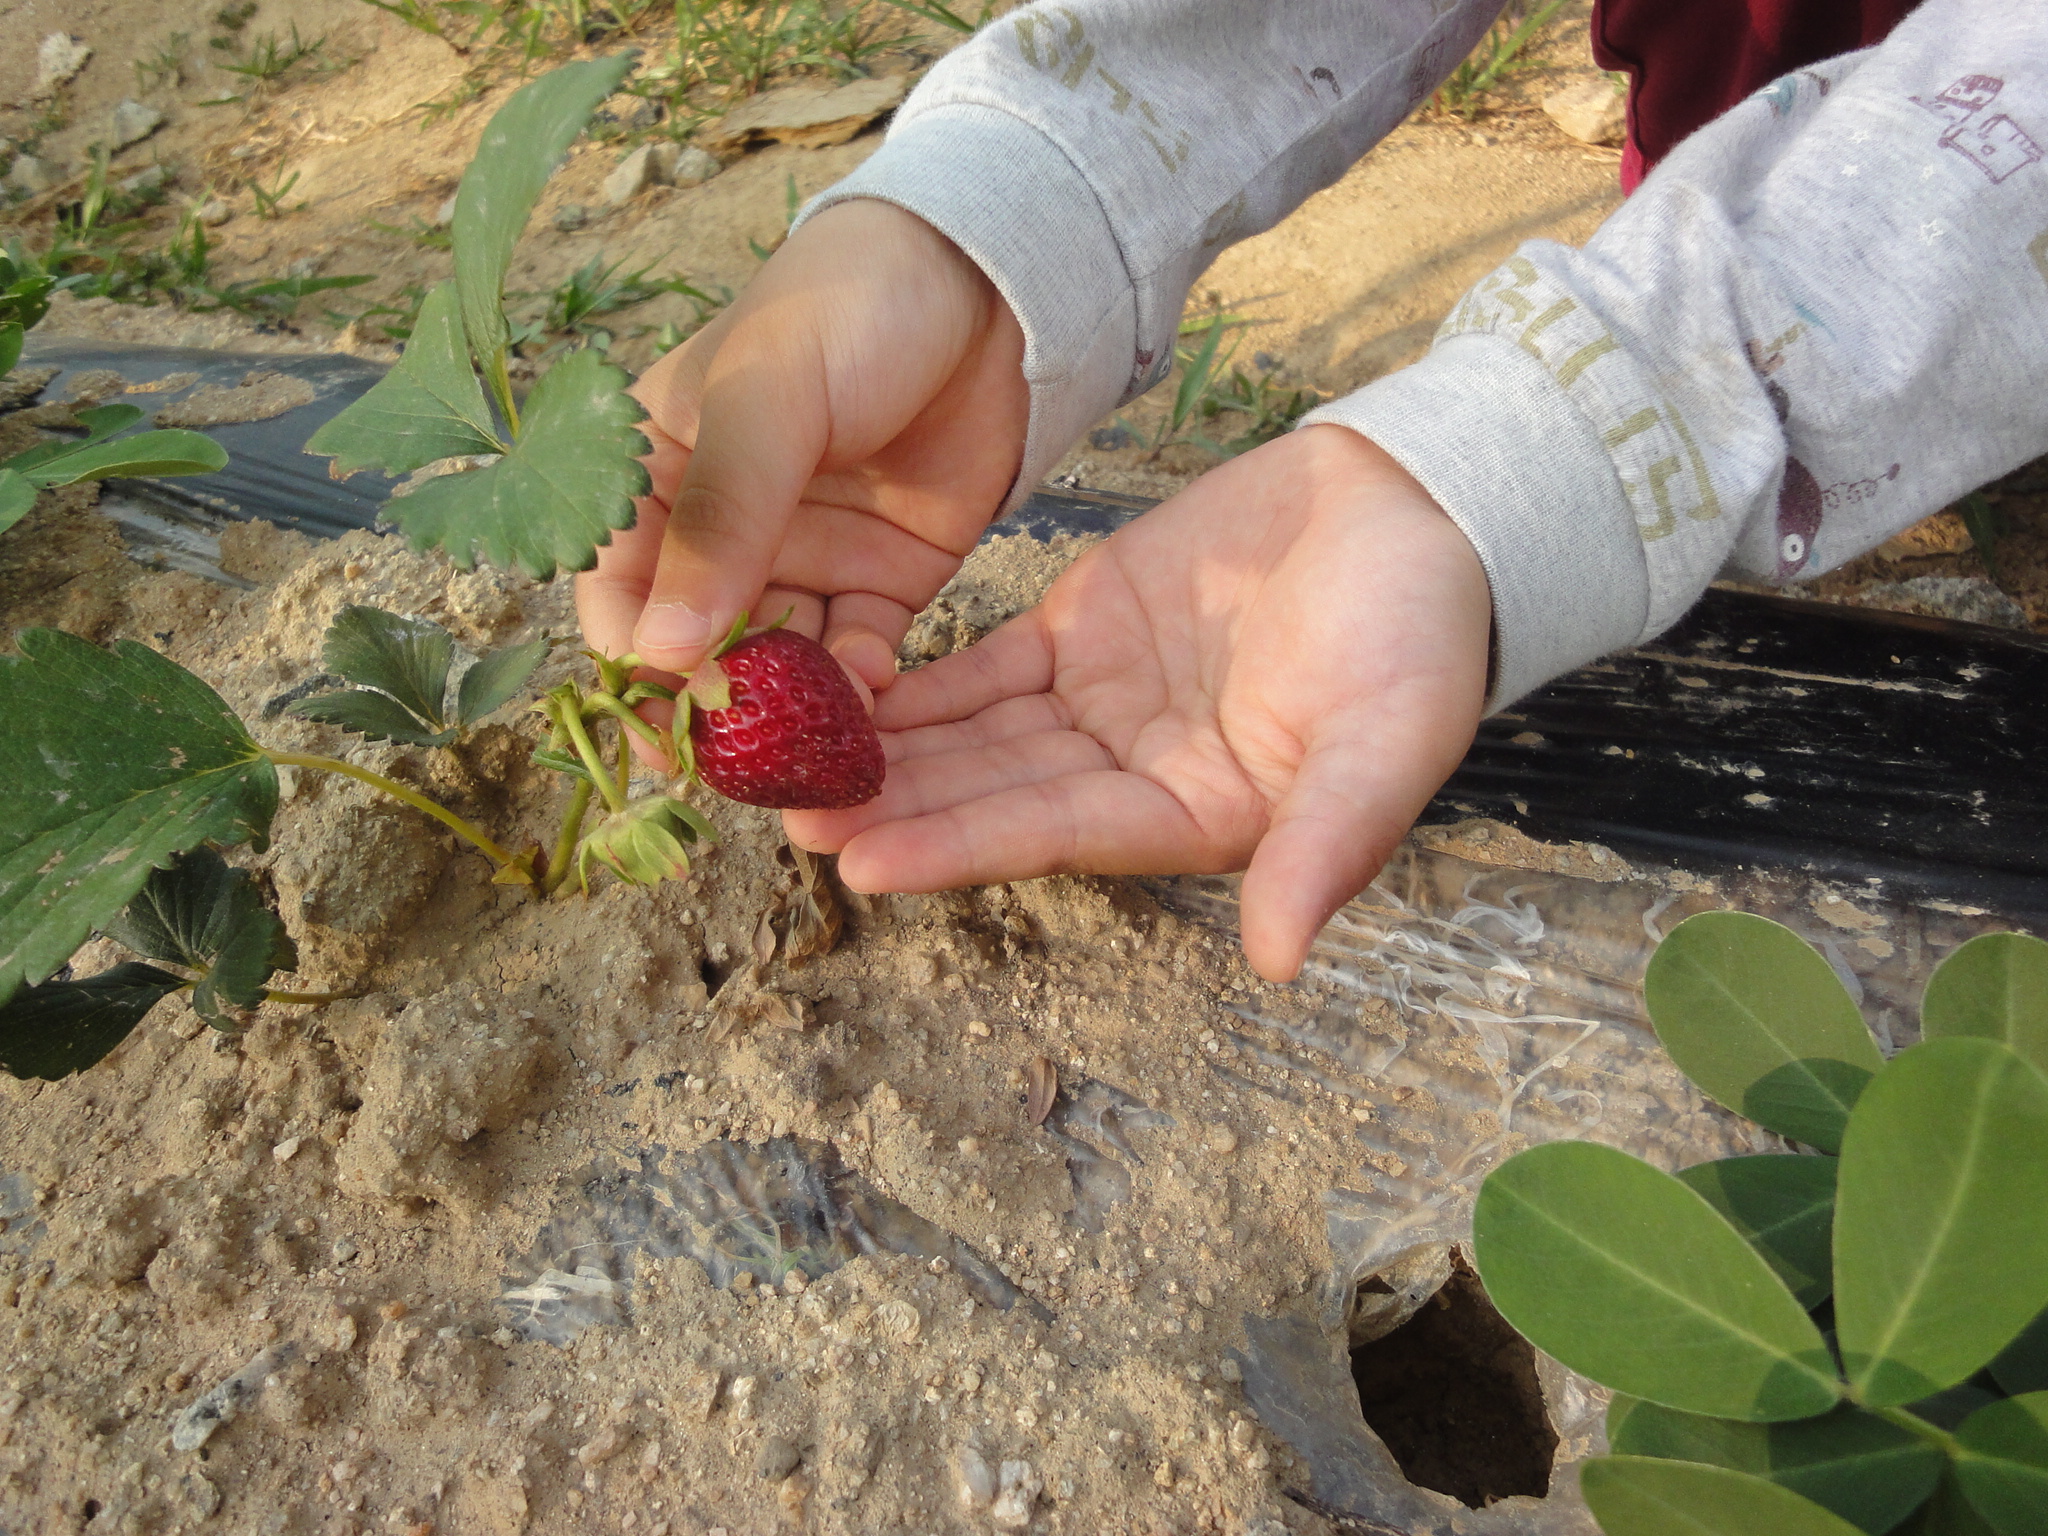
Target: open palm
[(1274, 669)]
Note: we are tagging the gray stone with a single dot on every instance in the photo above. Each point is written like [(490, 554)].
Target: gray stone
[(626, 111), (692, 167), (59, 57), (571, 217), (147, 182), (777, 1459), (215, 212), (1591, 109), (30, 175), (1969, 598), (634, 175), (134, 122), (809, 116)]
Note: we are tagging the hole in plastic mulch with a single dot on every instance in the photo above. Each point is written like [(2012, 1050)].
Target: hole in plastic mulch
[(1453, 1393)]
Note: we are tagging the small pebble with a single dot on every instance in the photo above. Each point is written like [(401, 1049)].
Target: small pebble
[(601, 1447), (778, 1457), (1222, 1140), (284, 1149), (571, 217), (392, 1311), (978, 1028)]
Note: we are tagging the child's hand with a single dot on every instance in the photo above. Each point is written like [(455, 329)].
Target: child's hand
[(1276, 667), (857, 417)]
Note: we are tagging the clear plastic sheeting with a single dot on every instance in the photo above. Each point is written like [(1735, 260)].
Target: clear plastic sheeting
[(1464, 1010), (731, 1206), (1090, 1112)]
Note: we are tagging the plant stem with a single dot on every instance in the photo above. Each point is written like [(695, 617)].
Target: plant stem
[(620, 711), (1913, 1424), (398, 791), (593, 760), (572, 829)]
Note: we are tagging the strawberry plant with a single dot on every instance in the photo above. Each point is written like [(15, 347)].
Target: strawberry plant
[(101, 454), (1852, 1339), (124, 766)]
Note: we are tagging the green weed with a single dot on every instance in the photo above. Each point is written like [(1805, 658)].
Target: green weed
[(1498, 56), (1255, 403), (164, 67), (270, 200)]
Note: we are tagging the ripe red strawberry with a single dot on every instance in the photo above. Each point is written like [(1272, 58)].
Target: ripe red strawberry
[(795, 737)]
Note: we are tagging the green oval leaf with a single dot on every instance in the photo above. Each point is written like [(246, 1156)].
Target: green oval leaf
[(1754, 1015), (1784, 1206), (568, 482), (172, 451), (10, 342), (520, 148), (1996, 987), (17, 497), (61, 1027), (1941, 1251), (430, 406), (2022, 1366), (1871, 1472), (1631, 1278), (1643, 1496), (399, 654), (113, 762), (1948, 1513), (2004, 1468)]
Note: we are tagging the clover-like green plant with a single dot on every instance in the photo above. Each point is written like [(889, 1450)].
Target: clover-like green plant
[(1849, 1340), (24, 299), (554, 475)]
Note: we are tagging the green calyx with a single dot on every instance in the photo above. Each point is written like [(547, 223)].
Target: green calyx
[(645, 842)]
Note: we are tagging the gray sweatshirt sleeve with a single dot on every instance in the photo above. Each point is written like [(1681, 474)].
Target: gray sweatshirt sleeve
[(1093, 156), (1823, 317)]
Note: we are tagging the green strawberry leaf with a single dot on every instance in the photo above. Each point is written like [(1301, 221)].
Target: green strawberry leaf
[(1995, 986), (10, 342), (496, 676), (1645, 1496), (1630, 1277), (1871, 1472), (374, 716), (204, 913), (1941, 1255), (404, 656), (1753, 1014), (17, 497), (61, 1027), (430, 406), (566, 484), (1785, 1206), (114, 762), (521, 146), (2004, 1466)]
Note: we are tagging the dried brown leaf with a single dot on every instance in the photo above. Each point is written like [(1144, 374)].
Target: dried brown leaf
[(814, 915), (1041, 1087), (764, 938)]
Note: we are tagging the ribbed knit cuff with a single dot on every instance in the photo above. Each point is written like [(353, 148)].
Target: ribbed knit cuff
[(1023, 213), (1519, 468)]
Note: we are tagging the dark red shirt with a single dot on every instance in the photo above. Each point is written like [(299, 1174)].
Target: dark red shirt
[(1688, 63)]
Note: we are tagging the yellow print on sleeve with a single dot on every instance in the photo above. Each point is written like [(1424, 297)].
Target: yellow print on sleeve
[(1056, 43), (1662, 471)]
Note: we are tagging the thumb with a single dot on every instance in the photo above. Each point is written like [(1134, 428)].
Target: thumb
[(763, 426), (1352, 801)]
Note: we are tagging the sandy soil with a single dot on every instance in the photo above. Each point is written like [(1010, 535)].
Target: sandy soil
[(451, 1221)]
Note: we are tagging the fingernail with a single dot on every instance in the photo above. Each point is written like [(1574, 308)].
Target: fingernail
[(672, 627)]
